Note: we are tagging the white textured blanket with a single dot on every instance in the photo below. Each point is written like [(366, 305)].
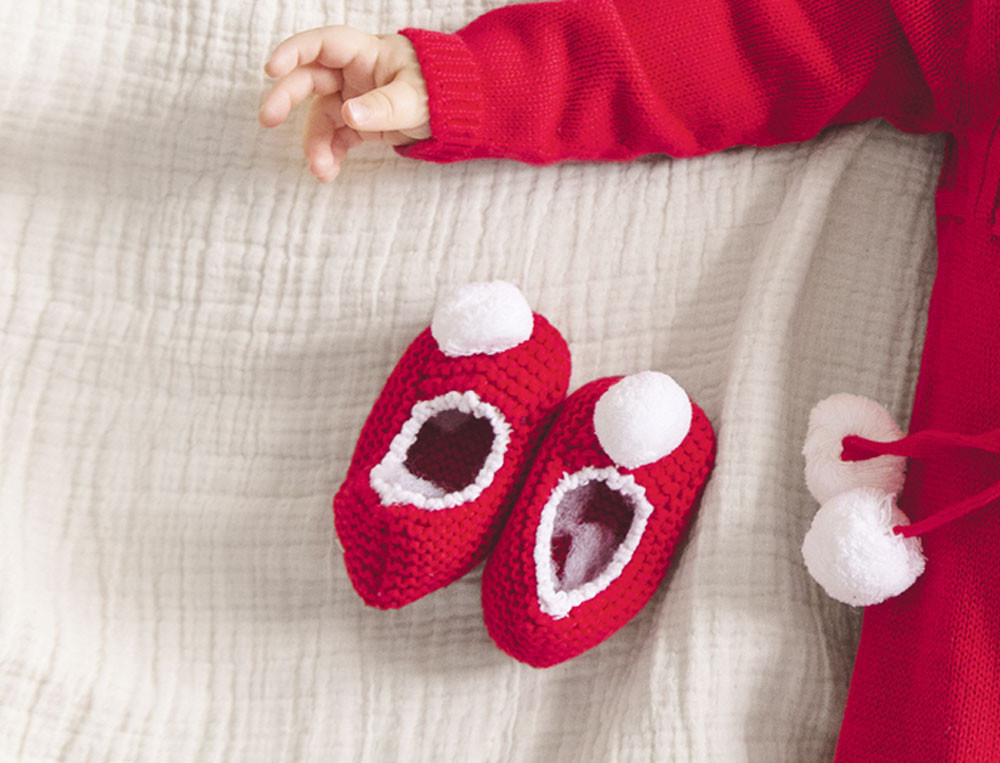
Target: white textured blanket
[(192, 332)]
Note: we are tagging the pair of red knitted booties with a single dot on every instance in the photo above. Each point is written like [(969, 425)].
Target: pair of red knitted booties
[(473, 438)]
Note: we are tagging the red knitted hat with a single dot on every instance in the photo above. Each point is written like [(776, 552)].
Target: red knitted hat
[(592, 534), (447, 443)]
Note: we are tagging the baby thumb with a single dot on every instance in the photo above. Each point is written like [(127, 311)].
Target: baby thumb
[(396, 106)]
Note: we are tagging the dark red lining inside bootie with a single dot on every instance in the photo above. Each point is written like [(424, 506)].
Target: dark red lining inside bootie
[(592, 520), (450, 449)]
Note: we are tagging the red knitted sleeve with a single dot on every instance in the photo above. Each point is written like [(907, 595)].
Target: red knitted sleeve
[(615, 79)]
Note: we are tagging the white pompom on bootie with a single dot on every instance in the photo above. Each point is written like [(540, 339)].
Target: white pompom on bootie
[(642, 418), (482, 318)]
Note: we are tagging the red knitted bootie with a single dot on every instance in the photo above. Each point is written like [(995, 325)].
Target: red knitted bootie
[(447, 443), (610, 494)]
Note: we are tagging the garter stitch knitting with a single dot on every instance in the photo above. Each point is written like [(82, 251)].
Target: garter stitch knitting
[(397, 551), (513, 609)]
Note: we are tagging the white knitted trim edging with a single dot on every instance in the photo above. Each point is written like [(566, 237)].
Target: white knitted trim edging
[(559, 603), (395, 484)]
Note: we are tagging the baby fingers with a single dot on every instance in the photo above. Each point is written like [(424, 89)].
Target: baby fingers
[(331, 46), (327, 140), (294, 88), (343, 140), (317, 139), (396, 106)]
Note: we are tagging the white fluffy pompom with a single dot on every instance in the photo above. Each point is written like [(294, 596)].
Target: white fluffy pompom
[(482, 318), (641, 418), (852, 552), (829, 423)]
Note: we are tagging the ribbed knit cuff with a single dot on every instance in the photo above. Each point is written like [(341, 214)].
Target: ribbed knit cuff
[(455, 97)]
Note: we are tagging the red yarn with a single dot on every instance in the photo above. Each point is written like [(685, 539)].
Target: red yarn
[(397, 553), (929, 444), (614, 79), (511, 606)]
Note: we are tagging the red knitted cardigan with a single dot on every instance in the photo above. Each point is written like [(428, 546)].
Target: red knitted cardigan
[(615, 79)]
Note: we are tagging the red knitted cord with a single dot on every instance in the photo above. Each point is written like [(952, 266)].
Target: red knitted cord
[(928, 444)]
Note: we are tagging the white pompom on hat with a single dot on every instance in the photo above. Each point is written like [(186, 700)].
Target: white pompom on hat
[(853, 553), (829, 423), (482, 318), (642, 418)]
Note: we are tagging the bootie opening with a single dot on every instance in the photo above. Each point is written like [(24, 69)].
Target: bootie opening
[(446, 453), (589, 529), (450, 450), (591, 522)]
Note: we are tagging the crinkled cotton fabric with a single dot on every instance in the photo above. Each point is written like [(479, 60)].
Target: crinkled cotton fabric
[(192, 332)]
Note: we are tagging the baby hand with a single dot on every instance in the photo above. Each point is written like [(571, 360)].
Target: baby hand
[(367, 87)]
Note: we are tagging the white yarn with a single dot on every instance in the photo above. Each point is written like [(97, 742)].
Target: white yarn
[(641, 418), (852, 552), (553, 596), (397, 485), (482, 318), (832, 420)]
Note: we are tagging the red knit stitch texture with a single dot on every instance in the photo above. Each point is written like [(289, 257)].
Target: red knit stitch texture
[(673, 484), (613, 79), (397, 553)]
